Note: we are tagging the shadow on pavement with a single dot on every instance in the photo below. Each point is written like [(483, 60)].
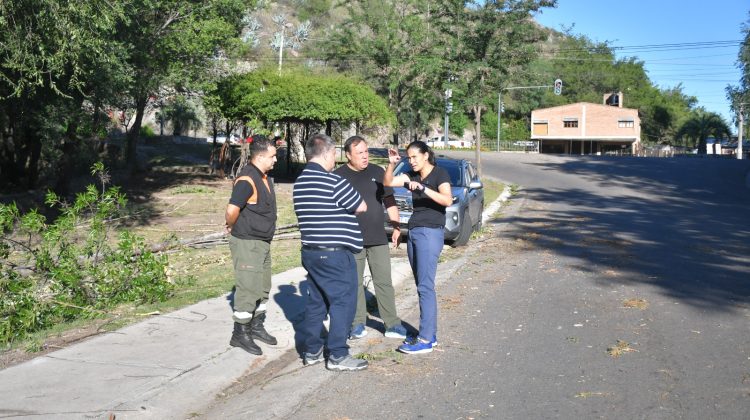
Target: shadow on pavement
[(682, 225)]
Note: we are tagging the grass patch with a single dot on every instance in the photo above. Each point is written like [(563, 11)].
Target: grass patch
[(192, 189), (383, 355), (492, 190)]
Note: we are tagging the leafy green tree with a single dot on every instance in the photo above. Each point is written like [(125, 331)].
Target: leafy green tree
[(58, 60), (740, 93), (302, 98), (498, 37), (173, 42), (702, 125), (392, 46)]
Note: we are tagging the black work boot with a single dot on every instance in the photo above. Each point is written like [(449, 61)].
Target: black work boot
[(242, 338), (258, 332)]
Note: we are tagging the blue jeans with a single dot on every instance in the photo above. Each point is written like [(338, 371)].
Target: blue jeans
[(423, 247), (332, 290)]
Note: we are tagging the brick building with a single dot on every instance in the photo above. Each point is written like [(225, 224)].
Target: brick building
[(585, 128)]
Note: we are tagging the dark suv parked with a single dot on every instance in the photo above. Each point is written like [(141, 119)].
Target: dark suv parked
[(463, 216)]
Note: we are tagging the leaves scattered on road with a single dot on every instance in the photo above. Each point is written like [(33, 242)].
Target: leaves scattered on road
[(620, 348), (592, 394), (635, 303)]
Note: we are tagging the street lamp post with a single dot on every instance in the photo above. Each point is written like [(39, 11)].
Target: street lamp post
[(448, 94)]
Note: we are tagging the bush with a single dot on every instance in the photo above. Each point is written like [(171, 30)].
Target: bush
[(147, 131), (74, 269)]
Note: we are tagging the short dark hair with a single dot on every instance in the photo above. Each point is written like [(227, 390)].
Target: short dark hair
[(423, 148), (352, 142), (259, 144), (318, 145)]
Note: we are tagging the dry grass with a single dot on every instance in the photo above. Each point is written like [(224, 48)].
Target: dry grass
[(635, 303), (591, 394), (620, 348)]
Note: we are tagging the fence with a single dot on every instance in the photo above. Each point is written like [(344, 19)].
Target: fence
[(518, 146)]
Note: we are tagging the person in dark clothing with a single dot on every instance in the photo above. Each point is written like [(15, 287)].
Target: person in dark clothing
[(251, 222), (325, 205), (431, 194), (368, 181)]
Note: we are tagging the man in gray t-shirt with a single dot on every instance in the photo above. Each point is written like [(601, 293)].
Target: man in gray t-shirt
[(368, 181)]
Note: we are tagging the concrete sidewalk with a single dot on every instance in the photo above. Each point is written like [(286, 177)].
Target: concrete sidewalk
[(167, 367)]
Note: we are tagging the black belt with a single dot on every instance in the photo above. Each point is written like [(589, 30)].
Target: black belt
[(324, 248)]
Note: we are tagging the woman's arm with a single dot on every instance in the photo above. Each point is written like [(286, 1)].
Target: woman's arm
[(442, 196), (388, 179)]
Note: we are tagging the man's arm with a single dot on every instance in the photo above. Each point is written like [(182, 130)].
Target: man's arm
[(393, 219), (231, 216), (361, 208)]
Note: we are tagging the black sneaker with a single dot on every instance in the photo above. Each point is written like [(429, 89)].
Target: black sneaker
[(346, 363), (309, 359)]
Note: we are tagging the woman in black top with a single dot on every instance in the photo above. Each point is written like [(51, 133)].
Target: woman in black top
[(431, 194)]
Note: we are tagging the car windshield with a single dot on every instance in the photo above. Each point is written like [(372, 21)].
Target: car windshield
[(453, 168)]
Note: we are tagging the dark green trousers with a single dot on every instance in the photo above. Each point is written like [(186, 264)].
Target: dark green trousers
[(252, 275), (379, 259)]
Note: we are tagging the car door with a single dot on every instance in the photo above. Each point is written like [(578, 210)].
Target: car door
[(476, 195)]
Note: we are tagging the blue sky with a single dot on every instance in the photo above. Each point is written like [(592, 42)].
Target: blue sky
[(703, 70)]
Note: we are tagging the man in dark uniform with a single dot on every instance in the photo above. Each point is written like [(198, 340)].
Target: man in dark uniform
[(368, 181), (251, 220)]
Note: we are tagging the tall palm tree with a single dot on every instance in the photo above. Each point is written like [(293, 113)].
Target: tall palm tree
[(702, 125)]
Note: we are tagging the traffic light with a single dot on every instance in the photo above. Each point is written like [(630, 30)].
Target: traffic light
[(502, 107), (558, 87), (449, 107)]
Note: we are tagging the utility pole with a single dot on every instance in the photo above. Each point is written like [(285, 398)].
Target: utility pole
[(281, 49), (557, 86), (499, 106), (448, 94)]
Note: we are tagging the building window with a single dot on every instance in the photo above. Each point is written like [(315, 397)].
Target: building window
[(626, 123), (570, 123)]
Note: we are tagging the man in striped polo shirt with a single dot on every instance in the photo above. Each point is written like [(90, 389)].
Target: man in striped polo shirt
[(326, 205)]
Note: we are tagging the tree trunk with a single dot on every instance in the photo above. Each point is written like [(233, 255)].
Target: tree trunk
[(329, 128), (132, 137), (35, 152), (65, 169)]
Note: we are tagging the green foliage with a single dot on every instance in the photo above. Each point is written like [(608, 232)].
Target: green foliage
[(457, 123), (147, 132), (301, 97), (75, 269), (740, 93), (182, 114), (391, 45), (702, 125), (312, 9)]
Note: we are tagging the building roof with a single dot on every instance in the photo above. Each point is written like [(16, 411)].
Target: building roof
[(579, 104)]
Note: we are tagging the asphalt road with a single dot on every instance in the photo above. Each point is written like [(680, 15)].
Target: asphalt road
[(535, 323)]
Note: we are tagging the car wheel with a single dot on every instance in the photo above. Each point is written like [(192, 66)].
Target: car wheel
[(464, 232), (478, 225)]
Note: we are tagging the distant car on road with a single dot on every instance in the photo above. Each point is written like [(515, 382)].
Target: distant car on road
[(462, 217)]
